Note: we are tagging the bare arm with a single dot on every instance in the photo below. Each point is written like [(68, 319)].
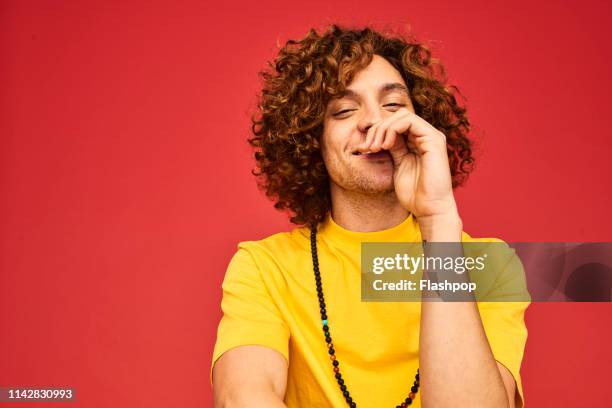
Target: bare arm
[(250, 376), (457, 364)]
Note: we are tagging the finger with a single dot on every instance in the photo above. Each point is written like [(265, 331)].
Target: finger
[(365, 146), (434, 141), (392, 133), (378, 137), (416, 125), (411, 146), (381, 133), (399, 151)]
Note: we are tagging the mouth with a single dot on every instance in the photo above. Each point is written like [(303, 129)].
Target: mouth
[(383, 154)]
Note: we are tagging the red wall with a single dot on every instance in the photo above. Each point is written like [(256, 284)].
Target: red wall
[(125, 177)]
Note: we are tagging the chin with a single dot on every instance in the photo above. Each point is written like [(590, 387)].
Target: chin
[(366, 181), (379, 185)]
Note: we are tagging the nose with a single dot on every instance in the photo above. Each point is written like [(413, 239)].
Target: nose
[(370, 116)]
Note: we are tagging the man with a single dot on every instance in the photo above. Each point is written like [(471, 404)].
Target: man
[(361, 142)]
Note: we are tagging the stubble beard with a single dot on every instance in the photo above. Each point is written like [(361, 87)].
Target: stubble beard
[(357, 180)]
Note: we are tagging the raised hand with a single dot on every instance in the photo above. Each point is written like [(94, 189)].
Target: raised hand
[(422, 176)]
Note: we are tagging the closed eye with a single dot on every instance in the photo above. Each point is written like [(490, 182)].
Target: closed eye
[(342, 111), (393, 104)]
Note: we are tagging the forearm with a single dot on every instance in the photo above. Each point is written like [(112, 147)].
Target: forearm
[(457, 367)]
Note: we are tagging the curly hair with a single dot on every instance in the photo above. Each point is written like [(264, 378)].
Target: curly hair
[(306, 74)]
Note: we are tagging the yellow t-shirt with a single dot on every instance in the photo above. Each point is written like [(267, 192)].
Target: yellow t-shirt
[(270, 299)]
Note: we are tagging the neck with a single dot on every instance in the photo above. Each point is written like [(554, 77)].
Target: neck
[(360, 212)]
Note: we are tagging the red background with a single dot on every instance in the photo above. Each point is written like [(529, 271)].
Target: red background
[(126, 186)]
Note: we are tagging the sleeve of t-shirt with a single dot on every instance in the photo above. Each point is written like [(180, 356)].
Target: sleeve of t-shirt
[(250, 315), (504, 322)]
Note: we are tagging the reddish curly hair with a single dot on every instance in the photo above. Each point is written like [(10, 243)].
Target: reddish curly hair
[(297, 87)]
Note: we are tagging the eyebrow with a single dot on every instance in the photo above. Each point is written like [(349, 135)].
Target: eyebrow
[(391, 86)]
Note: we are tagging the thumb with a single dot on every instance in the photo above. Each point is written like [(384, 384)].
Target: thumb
[(399, 150)]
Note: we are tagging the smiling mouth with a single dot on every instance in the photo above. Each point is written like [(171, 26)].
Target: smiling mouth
[(383, 154)]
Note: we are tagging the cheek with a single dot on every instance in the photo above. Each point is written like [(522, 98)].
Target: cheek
[(327, 153), (334, 141), (330, 156)]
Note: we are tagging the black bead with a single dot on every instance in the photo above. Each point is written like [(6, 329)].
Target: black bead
[(328, 340)]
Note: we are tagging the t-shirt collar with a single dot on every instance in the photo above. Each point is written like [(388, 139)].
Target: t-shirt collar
[(406, 231)]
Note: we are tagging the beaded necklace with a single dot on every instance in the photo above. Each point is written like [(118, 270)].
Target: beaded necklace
[(332, 353)]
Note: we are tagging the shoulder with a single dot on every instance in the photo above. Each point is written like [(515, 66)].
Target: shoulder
[(503, 279), (268, 262), (270, 257), (465, 237), (498, 250), (281, 244)]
